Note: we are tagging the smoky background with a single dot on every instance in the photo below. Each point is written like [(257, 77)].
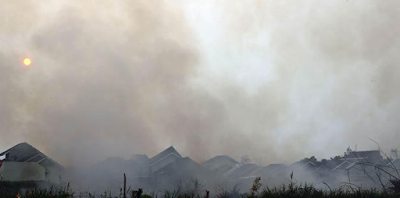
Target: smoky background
[(277, 81)]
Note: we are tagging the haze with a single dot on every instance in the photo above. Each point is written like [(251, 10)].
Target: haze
[(275, 80)]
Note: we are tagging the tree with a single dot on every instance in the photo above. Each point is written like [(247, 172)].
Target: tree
[(313, 159), (336, 158), (348, 151)]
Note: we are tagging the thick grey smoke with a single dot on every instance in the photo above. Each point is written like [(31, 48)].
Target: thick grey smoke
[(275, 80)]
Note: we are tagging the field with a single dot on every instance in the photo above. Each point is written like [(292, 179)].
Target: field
[(32, 190)]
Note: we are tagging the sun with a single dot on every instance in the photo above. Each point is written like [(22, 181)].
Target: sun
[(27, 61)]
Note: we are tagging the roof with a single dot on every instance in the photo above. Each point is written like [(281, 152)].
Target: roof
[(365, 154), (321, 168), (370, 152), (359, 167), (275, 166), (183, 170), (242, 171), (140, 157), (393, 166), (303, 164), (167, 152), (257, 171), (183, 166), (220, 164), (24, 152), (216, 159), (395, 162), (263, 171), (342, 166)]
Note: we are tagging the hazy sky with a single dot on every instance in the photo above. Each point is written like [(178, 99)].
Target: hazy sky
[(276, 80)]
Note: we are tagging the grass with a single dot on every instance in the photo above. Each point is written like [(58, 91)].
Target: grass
[(308, 191), (292, 190)]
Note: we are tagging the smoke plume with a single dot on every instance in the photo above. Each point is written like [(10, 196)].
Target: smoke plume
[(276, 80)]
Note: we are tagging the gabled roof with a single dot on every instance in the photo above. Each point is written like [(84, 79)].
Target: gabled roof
[(367, 153), (354, 164), (309, 165), (382, 162), (179, 166), (393, 166), (395, 162), (321, 168), (257, 171), (164, 154), (140, 157), (184, 168), (273, 167), (359, 166), (342, 166), (24, 152), (220, 164), (268, 171), (216, 159), (242, 170), (373, 154), (305, 165)]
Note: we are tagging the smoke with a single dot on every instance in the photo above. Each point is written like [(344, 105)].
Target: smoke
[(277, 81)]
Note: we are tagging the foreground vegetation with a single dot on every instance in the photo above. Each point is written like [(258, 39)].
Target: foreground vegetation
[(286, 191)]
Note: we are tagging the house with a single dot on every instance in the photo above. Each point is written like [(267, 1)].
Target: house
[(140, 158), (393, 167), (241, 171), (370, 156), (256, 172), (394, 164), (275, 173), (169, 170), (342, 166), (183, 173), (23, 162), (182, 167), (359, 173), (220, 164), (271, 171), (322, 171), (162, 159), (303, 167)]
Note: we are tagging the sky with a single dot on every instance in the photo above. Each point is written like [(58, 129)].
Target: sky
[(275, 80)]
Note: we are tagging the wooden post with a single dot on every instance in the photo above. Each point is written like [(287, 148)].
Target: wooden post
[(124, 185)]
